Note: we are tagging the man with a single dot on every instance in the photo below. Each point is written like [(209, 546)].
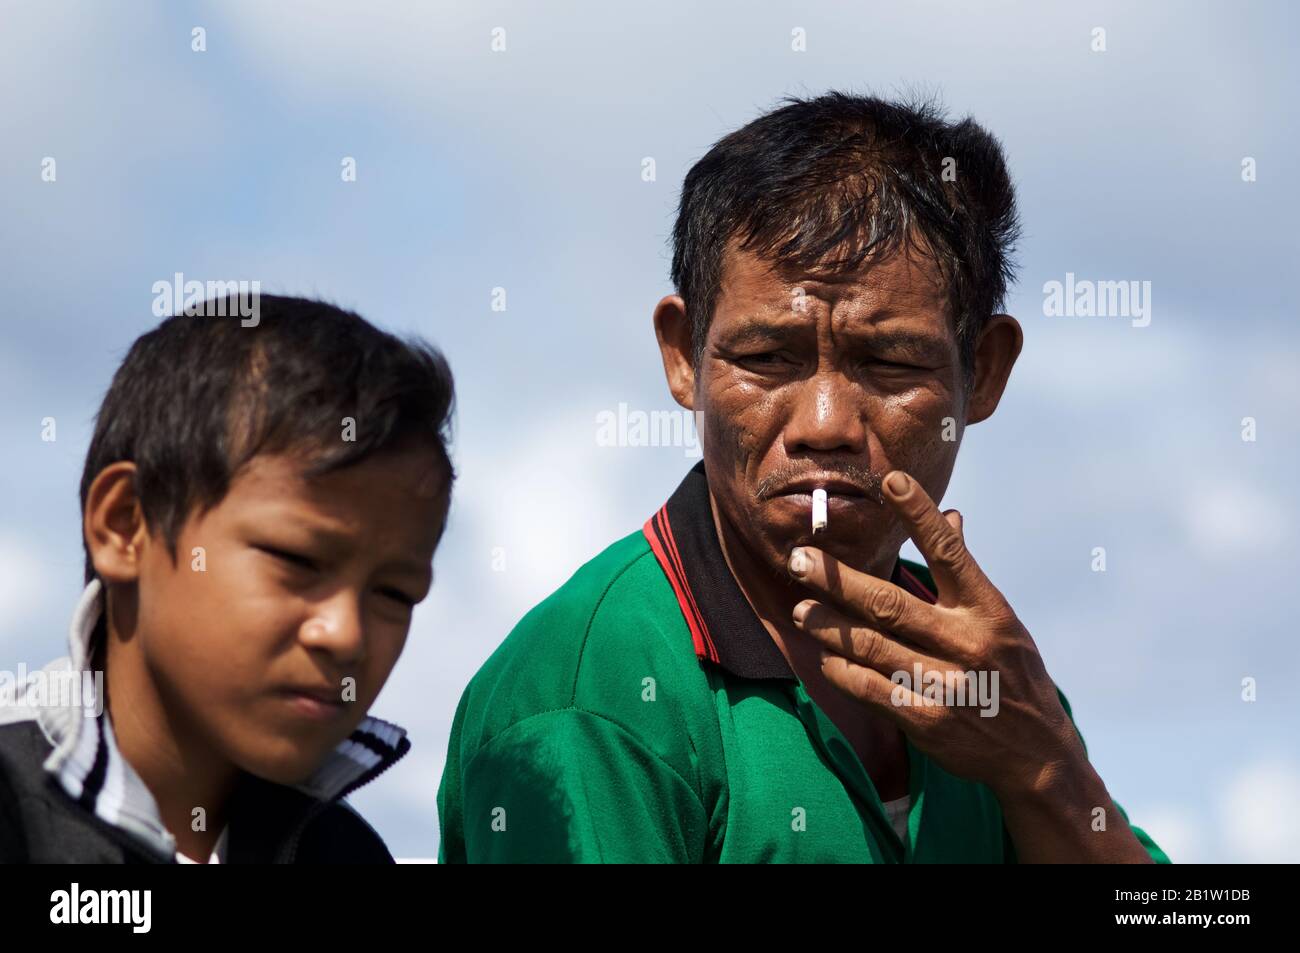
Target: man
[(724, 685)]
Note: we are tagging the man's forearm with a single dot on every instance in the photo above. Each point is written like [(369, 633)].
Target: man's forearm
[(1054, 819)]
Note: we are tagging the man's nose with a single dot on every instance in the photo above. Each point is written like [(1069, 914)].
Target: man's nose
[(826, 418), (336, 627)]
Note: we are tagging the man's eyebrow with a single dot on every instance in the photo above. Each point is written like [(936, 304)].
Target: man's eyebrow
[(913, 343), (759, 332)]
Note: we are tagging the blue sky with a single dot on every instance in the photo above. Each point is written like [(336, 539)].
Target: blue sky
[(522, 170)]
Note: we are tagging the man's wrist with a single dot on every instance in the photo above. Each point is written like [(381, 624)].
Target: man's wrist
[(1060, 780), (1054, 817)]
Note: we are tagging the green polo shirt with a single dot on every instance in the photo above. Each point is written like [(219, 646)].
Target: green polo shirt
[(642, 713)]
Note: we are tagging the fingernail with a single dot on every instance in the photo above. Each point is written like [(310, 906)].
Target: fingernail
[(799, 561), (801, 610), (898, 484)]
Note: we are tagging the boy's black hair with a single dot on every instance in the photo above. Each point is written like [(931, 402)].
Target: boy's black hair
[(199, 396), (834, 182)]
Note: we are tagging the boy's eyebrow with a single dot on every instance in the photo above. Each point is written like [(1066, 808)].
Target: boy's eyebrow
[(414, 566), (340, 539)]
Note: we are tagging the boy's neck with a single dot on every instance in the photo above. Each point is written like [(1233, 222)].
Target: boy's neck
[(172, 759)]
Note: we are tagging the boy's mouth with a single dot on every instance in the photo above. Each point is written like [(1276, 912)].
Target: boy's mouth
[(316, 702)]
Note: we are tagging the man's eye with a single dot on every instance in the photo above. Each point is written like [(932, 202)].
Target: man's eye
[(766, 359), (894, 365)]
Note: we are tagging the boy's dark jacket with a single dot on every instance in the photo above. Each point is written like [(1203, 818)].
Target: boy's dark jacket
[(68, 796)]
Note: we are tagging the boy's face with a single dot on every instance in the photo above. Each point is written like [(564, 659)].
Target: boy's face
[(275, 651)]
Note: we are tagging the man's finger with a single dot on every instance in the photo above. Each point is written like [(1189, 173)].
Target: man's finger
[(880, 604), (870, 688), (959, 579), (855, 641)]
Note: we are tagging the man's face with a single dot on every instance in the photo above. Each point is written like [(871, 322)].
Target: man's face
[(807, 382), (306, 584)]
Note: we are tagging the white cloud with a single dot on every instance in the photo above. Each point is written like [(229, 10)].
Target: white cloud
[(1087, 363), (544, 503), (1179, 831), (24, 588), (1226, 518), (1259, 813)]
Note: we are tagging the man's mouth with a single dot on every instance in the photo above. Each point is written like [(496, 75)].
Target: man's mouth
[(833, 485)]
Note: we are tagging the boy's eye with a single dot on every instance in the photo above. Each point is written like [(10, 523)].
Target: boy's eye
[(293, 559), (299, 561), (398, 596)]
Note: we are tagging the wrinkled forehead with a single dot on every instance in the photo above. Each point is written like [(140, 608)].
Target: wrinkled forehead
[(908, 273), (906, 281)]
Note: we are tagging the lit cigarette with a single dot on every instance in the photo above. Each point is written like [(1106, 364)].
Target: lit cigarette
[(819, 510)]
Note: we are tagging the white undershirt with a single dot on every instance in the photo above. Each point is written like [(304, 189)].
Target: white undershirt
[(218, 851), (896, 811)]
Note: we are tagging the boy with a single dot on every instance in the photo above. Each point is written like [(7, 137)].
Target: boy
[(260, 507)]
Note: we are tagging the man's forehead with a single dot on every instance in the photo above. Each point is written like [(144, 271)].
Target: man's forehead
[(901, 277)]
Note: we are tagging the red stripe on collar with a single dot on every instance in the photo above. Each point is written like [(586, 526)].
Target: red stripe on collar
[(724, 627), (658, 532), (912, 584)]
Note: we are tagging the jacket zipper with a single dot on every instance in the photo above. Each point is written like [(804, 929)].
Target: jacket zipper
[(289, 852)]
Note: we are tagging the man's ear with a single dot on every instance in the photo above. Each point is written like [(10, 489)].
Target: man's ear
[(673, 331), (996, 353), (114, 524)]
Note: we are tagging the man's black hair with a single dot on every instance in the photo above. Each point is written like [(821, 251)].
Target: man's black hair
[(199, 396), (842, 181)]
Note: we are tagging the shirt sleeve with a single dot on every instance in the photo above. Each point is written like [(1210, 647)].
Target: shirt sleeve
[(574, 786), (451, 833)]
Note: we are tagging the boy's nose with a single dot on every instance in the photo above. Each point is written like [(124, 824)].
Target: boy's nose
[(335, 627)]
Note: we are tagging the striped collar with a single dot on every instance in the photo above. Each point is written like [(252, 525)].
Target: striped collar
[(88, 766), (724, 627)]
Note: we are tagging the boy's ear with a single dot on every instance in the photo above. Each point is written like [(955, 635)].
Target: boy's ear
[(114, 524)]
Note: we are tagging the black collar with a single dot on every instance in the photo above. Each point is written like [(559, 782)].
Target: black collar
[(724, 627)]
